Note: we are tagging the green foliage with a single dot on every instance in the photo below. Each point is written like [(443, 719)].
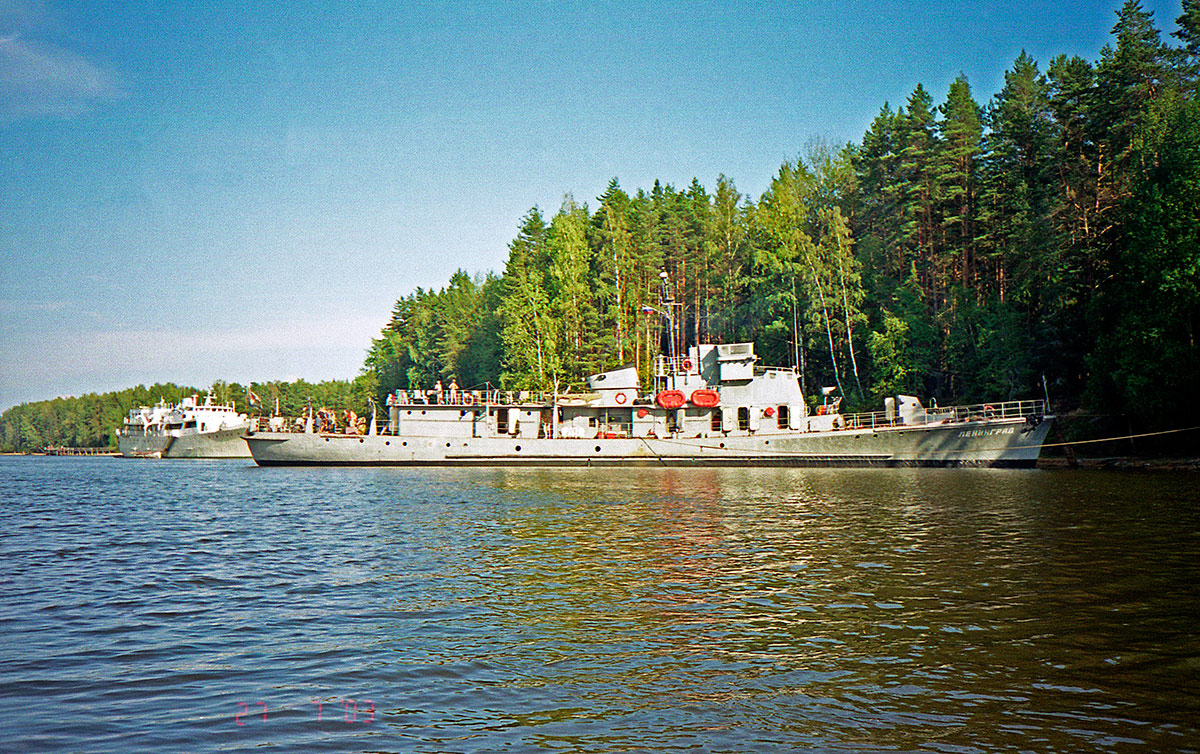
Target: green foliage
[(437, 336), (88, 421), (1147, 355), (890, 351), (961, 252)]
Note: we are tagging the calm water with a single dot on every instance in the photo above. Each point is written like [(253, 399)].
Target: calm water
[(215, 606)]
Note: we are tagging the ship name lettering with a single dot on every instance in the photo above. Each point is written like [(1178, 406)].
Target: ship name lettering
[(987, 432)]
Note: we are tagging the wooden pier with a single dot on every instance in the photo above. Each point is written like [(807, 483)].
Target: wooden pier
[(60, 450)]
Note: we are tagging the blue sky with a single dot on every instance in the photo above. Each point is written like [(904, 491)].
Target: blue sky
[(241, 191)]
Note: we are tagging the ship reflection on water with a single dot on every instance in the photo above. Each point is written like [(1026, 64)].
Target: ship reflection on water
[(648, 609)]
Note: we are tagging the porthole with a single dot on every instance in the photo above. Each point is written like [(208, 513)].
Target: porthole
[(597, 448), (404, 444), (387, 442), (360, 439), (447, 445), (722, 445), (518, 448)]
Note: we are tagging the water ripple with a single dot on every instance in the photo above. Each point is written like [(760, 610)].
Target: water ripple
[(211, 606)]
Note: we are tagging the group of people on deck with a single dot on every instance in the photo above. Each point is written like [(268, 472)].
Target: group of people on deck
[(438, 394)]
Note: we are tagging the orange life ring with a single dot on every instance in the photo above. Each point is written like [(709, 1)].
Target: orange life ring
[(620, 398), (670, 399), (769, 411), (687, 365), (468, 399)]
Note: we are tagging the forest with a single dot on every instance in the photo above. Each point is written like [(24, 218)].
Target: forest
[(1047, 241), (1044, 242), (91, 420)]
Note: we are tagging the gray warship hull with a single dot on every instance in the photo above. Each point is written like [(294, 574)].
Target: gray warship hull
[(1008, 442), (225, 443), (711, 407)]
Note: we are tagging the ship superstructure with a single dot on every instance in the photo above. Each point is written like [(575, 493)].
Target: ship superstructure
[(189, 429)]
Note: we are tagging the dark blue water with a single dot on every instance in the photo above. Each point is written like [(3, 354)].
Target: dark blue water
[(172, 606)]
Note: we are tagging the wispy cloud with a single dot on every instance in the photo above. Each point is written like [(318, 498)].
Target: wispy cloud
[(39, 78)]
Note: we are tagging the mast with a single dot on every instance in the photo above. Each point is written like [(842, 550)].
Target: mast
[(668, 301)]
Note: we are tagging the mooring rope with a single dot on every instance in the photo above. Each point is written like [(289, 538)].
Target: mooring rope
[(771, 451), (1120, 437)]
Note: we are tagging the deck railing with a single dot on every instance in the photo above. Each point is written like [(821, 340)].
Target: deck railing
[(473, 397), (950, 414), (869, 420)]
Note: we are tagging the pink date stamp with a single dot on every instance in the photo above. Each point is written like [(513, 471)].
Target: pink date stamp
[(351, 711)]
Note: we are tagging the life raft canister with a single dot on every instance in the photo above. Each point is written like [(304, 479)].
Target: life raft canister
[(670, 399), (705, 398)]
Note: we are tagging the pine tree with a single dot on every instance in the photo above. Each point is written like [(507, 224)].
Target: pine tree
[(583, 342), (530, 331), (730, 241), (1015, 204), (1189, 34), (916, 138), (1130, 77), (954, 167), (877, 212)]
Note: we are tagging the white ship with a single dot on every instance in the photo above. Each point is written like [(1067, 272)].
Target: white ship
[(713, 407), (187, 430)]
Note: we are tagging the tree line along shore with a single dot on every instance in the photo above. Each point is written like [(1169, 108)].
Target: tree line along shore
[(1047, 240)]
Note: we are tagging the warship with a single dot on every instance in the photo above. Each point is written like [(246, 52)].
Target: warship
[(189, 429), (712, 405)]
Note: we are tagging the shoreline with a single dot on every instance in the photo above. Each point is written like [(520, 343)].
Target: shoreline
[(1110, 463), (1122, 463)]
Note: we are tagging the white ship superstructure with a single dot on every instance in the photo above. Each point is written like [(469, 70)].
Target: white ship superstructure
[(189, 429)]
